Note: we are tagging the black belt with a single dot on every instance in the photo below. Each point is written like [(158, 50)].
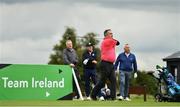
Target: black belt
[(107, 62)]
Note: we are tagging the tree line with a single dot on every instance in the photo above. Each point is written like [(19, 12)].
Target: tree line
[(79, 43)]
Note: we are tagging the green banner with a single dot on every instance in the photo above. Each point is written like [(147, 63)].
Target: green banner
[(35, 82)]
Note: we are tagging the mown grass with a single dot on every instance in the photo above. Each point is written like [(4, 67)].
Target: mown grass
[(136, 102)]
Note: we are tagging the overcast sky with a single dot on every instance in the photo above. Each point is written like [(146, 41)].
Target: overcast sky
[(30, 28)]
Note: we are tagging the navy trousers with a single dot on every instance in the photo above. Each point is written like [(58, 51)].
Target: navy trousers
[(89, 74)]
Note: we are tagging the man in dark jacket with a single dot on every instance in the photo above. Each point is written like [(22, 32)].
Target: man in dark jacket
[(127, 65), (70, 58), (89, 62)]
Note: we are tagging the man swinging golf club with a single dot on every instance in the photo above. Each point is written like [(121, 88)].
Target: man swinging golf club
[(107, 69)]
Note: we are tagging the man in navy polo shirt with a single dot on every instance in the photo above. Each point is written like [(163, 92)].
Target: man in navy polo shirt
[(127, 66), (89, 62)]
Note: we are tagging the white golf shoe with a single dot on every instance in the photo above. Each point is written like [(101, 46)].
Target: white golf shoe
[(127, 99), (88, 98), (120, 98), (101, 98)]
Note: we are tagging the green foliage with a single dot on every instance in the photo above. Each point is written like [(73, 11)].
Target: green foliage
[(78, 44), (56, 57), (144, 79), (90, 37)]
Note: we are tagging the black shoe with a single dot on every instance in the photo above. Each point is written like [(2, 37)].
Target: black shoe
[(93, 98), (113, 99)]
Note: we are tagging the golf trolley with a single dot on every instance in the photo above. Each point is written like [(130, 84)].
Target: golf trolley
[(167, 82)]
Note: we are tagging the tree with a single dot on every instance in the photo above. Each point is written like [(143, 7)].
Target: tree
[(56, 57), (78, 44), (90, 37), (145, 79)]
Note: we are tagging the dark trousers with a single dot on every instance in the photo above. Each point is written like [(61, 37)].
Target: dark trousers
[(107, 72), (89, 74)]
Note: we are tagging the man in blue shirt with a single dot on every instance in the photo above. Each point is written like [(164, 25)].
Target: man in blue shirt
[(127, 64)]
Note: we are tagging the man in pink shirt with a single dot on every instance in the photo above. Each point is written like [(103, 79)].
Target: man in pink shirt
[(107, 69)]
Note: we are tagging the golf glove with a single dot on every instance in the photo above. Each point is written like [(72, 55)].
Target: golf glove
[(85, 61), (135, 75)]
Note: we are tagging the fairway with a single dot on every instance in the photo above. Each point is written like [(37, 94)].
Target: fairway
[(136, 102)]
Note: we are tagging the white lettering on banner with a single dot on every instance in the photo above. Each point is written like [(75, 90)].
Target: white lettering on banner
[(45, 83), (14, 84)]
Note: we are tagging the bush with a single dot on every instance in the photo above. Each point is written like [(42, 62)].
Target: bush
[(147, 80)]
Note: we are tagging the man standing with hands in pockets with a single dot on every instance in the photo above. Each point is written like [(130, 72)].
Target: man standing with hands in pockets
[(107, 68)]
